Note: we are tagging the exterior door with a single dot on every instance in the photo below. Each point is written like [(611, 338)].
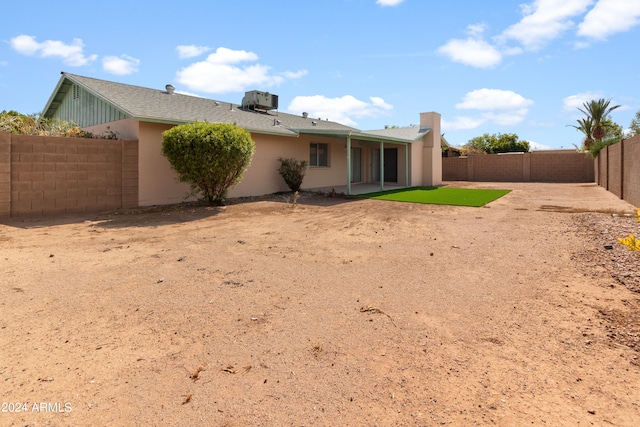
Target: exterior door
[(391, 165)]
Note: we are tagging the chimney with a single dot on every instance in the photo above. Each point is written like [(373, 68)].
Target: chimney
[(432, 151), (305, 115)]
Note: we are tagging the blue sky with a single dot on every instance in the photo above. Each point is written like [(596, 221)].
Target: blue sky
[(487, 67)]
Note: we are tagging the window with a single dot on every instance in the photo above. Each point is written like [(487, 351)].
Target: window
[(319, 154)]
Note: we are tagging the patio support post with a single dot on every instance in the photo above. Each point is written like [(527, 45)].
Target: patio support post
[(349, 172), (381, 166), (406, 165)]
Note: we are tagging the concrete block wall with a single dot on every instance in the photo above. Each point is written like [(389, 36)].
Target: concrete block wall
[(561, 166), (618, 169), (631, 167), (537, 166), (5, 174), (615, 169), (53, 175), (603, 170), (498, 167), (455, 169)]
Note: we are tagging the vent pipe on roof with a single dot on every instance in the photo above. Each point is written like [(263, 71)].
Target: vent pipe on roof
[(170, 89), (305, 115)]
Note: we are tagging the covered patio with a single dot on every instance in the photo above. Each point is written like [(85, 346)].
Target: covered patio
[(375, 160)]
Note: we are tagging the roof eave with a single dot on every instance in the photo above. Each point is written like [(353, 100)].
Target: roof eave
[(172, 122), (363, 136), (47, 106), (378, 138)]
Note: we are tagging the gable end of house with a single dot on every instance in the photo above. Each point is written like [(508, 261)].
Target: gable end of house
[(74, 103)]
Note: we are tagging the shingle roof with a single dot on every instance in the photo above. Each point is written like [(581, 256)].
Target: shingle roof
[(411, 133), (156, 105)]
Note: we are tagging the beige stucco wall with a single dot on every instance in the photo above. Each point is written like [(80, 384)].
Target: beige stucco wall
[(262, 176), (124, 129), (415, 178), (336, 173), (158, 182), (159, 185), (402, 163), (432, 151)]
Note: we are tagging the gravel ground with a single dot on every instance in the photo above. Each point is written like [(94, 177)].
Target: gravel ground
[(605, 258)]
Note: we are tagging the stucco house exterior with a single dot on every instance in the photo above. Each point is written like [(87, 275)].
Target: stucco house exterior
[(339, 155)]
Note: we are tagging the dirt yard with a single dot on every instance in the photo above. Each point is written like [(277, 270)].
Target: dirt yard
[(331, 312)]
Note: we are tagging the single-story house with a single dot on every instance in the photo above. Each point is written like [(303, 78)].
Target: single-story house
[(339, 155)]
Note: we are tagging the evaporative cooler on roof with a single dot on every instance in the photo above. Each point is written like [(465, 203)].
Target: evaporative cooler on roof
[(256, 100)]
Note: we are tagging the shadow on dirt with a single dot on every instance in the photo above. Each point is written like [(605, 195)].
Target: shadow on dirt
[(154, 216)]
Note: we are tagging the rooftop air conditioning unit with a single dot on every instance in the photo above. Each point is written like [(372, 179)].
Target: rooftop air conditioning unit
[(256, 100)]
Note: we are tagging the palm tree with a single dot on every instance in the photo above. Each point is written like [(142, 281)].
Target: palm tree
[(586, 127), (597, 111)]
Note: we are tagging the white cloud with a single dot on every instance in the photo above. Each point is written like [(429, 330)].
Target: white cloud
[(476, 30), (221, 72), (500, 107), (508, 118), (493, 99), (223, 55), (388, 2), (536, 146), (294, 75), (543, 21), (342, 110), (476, 53), (379, 102), (191, 51), (573, 102), (474, 50), (71, 54), (182, 92), (609, 17), (581, 45), (462, 123), (120, 66)]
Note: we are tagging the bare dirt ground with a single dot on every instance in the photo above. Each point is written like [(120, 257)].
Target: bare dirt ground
[(331, 312)]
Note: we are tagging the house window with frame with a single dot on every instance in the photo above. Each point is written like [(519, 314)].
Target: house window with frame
[(319, 154)]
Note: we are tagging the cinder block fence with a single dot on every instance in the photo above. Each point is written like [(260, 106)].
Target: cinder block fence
[(618, 169), (53, 175), (536, 166)]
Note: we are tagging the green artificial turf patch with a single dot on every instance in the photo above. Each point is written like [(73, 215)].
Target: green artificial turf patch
[(439, 195)]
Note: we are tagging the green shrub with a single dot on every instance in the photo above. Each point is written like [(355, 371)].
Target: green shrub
[(595, 148), (292, 171), (17, 123), (210, 156), (34, 124)]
